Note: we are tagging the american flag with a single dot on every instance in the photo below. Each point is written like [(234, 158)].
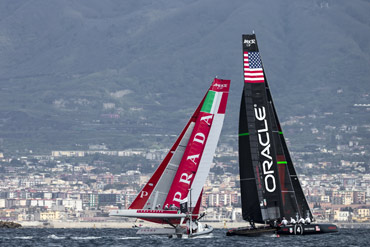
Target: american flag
[(253, 72)]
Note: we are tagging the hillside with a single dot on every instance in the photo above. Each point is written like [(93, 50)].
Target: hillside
[(74, 73)]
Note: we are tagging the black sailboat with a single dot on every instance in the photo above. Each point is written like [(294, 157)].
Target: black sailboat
[(270, 188)]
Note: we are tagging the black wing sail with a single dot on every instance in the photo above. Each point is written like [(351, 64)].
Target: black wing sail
[(259, 180), (269, 184), (251, 188)]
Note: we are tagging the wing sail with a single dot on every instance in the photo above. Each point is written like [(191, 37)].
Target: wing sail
[(186, 165)]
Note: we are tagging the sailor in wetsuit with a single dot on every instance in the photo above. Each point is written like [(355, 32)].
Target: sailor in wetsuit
[(292, 221), (301, 221), (284, 222), (308, 220), (275, 224)]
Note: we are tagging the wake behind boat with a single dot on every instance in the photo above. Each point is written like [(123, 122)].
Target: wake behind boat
[(173, 194), (270, 189)]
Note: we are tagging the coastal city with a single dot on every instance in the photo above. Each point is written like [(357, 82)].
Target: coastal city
[(198, 123), (84, 185)]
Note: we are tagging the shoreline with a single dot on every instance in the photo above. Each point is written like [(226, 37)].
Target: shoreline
[(116, 224), (129, 225)]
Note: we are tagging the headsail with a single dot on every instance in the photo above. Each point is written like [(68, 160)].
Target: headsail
[(187, 164), (268, 181)]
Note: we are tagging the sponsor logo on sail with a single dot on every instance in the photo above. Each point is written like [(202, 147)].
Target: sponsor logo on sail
[(220, 86), (143, 194), (192, 159), (264, 141), (249, 42)]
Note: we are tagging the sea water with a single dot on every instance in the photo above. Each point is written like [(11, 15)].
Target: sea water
[(127, 237)]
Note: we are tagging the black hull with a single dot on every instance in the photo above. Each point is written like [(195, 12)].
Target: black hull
[(251, 232), (297, 229), (300, 229)]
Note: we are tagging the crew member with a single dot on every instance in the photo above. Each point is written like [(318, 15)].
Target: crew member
[(284, 222), (308, 220), (292, 221), (301, 221)]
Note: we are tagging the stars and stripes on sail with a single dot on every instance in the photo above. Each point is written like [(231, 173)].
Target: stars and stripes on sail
[(253, 71)]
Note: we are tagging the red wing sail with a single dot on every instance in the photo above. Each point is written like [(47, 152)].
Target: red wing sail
[(197, 158), (186, 165)]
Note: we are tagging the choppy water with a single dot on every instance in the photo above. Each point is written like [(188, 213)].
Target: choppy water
[(127, 237)]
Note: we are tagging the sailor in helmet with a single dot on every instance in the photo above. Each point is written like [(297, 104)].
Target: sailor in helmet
[(301, 221), (308, 220), (292, 221)]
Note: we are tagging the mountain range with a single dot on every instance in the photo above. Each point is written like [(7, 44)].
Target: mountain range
[(130, 73)]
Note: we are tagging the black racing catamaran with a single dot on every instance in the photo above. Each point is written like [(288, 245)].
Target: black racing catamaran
[(270, 188)]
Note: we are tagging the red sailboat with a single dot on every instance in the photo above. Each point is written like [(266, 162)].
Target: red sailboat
[(172, 196)]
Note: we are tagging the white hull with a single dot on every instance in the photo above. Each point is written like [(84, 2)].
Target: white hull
[(178, 232), (156, 231), (147, 214), (205, 231)]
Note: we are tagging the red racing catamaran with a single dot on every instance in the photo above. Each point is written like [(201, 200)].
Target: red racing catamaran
[(173, 194)]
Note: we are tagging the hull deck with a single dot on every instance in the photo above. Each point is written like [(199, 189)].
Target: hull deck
[(297, 229), (251, 232), (179, 232), (300, 229)]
